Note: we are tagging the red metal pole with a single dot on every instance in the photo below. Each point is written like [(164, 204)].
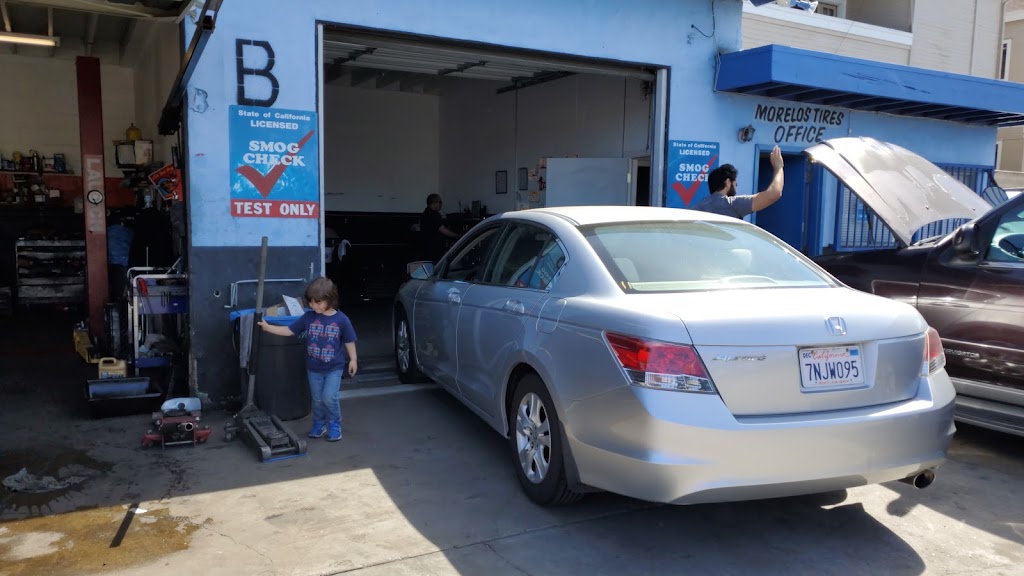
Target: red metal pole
[(90, 129)]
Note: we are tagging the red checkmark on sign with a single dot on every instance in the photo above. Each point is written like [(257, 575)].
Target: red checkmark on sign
[(686, 192), (264, 184)]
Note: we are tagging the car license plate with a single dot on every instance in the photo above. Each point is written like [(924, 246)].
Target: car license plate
[(828, 367)]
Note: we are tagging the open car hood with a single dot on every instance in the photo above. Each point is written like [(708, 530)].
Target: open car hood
[(906, 191)]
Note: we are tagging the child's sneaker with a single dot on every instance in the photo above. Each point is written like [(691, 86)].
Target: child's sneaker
[(318, 430), (334, 431)]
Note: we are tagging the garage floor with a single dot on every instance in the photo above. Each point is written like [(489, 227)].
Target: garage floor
[(419, 485)]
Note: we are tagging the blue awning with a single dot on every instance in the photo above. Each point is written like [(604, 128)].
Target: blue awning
[(827, 79)]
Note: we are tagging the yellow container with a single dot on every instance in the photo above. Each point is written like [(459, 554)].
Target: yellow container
[(112, 368), (83, 345), (133, 133)]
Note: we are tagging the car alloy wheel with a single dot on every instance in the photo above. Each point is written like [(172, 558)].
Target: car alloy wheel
[(405, 352), (402, 346), (533, 438), (537, 445)]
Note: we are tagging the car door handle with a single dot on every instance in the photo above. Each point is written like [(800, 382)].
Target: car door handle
[(514, 306), (454, 297), (950, 304)]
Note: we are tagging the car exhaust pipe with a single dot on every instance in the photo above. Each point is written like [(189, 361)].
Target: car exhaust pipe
[(921, 479)]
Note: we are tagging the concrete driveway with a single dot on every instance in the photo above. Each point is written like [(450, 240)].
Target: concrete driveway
[(419, 486)]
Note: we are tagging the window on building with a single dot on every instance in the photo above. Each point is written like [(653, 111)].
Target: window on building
[(999, 154), (1004, 61), (828, 9)]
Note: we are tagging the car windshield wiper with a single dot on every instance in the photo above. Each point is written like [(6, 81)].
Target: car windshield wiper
[(929, 240)]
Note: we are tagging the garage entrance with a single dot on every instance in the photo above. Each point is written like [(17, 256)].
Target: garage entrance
[(487, 128)]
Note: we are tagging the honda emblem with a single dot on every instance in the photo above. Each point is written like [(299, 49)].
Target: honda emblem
[(836, 326)]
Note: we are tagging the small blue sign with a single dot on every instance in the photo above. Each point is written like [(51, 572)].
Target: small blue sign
[(689, 164), (275, 167)]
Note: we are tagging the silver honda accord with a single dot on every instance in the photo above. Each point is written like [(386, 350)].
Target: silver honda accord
[(673, 356)]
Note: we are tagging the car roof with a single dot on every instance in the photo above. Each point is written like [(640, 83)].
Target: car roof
[(590, 215)]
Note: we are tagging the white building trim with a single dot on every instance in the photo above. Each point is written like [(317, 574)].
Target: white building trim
[(1014, 16)]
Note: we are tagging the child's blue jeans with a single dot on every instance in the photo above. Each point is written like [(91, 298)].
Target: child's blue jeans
[(325, 390)]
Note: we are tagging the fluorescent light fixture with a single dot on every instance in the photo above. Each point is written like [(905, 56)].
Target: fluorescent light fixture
[(30, 39)]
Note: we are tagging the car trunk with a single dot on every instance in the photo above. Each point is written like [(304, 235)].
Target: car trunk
[(772, 351)]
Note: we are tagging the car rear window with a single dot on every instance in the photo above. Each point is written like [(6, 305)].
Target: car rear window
[(687, 256)]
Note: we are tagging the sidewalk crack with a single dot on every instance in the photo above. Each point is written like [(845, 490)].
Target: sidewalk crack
[(243, 545), (506, 560)]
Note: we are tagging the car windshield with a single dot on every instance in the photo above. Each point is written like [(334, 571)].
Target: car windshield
[(688, 256)]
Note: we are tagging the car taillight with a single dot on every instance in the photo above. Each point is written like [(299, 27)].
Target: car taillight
[(661, 365), (934, 357)]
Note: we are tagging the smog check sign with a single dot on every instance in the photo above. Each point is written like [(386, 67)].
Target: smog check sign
[(275, 170)]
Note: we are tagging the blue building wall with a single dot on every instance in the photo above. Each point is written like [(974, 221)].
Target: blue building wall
[(224, 248), (653, 32), (794, 126), (664, 33)]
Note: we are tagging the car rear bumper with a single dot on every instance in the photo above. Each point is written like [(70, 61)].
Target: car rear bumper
[(686, 448), (989, 414)]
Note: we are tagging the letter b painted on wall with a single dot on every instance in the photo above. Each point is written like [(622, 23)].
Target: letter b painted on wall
[(263, 86)]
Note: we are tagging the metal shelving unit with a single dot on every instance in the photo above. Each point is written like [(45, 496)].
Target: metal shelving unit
[(50, 271), (6, 304)]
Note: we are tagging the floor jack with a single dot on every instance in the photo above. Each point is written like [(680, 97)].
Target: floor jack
[(264, 432), (177, 422)]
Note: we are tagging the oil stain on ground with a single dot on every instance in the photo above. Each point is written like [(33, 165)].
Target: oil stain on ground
[(58, 462), (81, 542)]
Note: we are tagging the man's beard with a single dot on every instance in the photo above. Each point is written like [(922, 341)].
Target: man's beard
[(732, 191)]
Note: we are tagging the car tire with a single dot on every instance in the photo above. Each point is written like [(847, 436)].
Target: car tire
[(535, 443), (405, 351)]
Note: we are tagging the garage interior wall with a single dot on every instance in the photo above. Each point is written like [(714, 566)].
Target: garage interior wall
[(385, 151), (585, 116), (381, 150), (156, 66), (39, 107)]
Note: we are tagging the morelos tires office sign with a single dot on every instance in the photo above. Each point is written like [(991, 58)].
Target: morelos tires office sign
[(274, 163), (800, 124)]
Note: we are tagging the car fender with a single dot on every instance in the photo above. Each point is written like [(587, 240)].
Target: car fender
[(406, 298), (522, 359), (519, 359)]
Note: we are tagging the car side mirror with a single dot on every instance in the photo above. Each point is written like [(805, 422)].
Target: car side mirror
[(965, 241), (995, 195), (420, 270)]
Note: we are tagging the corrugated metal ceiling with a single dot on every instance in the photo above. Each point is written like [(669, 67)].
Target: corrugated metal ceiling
[(383, 53)]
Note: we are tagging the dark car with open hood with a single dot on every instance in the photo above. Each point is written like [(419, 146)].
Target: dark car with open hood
[(968, 284)]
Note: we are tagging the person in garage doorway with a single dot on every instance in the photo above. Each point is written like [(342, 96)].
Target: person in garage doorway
[(433, 231), (723, 199), (330, 354)]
